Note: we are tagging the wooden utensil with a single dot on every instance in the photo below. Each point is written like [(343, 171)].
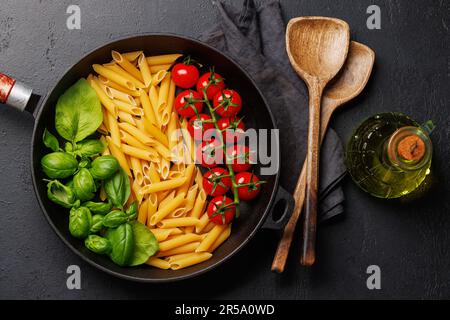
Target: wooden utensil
[(347, 84), (317, 48)]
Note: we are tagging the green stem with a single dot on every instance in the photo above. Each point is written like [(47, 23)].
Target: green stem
[(230, 168)]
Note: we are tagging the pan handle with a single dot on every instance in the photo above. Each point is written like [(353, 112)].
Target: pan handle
[(280, 211), (17, 94)]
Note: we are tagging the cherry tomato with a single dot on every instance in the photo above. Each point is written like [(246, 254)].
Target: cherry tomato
[(221, 210), (232, 129), (185, 75), (217, 84), (251, 185), (187, 101), (216, 181), (209, 154), (197, 126), (227, 103), (240, 157)]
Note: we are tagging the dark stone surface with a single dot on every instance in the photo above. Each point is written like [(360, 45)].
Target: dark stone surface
[(407, 238)]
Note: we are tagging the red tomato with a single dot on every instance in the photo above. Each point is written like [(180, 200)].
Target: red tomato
[(216, 85), (197, 126), (232, 129), (187, 101), (185, 75), (227, 103), (240, 157), (216, 181), (209, 154), (221, 210), (250, 185)]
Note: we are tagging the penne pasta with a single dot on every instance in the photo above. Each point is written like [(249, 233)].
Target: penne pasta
[(159, 67), (126, 117), (120, 95), (204, 220), (130, 108), (190, 260), (163, 59), (142, 212), (177, 222), (119, 155), (136, 133), (158, 263), (149, 113), (114, 76), (189, 247), (131, 56), (211, 238), (178, 241), (152, 206), (124, 74), (166, 210), (135, 164), (145, 70), (144, 154), (105, 81), (158, 77), (221, 238), (126, 65)]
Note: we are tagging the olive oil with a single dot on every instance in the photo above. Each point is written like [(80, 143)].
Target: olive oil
[(389, 155)]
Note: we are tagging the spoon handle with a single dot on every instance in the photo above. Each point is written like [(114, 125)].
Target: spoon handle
[(308, 254), (284, 245)]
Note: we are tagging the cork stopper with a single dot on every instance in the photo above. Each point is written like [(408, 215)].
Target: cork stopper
[(411, 148)]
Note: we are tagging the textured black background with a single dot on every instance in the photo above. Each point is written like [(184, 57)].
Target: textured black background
[(409, 239)]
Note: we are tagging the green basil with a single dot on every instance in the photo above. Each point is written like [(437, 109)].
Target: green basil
[(89, 148), (78, 112), (98, 244), (104, 167), (60, 194), (132, 211), (50, 141), (80, 221), (117, 188), (145, 244), (84, 185), (98, 207), (59, 165), (68, 147), (97, 223), (122, 242), (115, 218)]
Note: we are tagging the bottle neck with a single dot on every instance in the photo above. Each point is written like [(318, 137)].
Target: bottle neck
[(408, 148)]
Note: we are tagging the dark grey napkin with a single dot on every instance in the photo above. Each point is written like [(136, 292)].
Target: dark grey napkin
[(254, 36)]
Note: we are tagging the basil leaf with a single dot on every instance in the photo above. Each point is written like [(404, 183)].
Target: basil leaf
[(78, 112), (132, 211), (122, 242), (97, 223), (98, 207), (104, 167), (115, 219), (89, 148), (50, 140), (98, 244), (80, 221), (60, 194), (84, 185), (118, 188), (59, 165), (145, 244)]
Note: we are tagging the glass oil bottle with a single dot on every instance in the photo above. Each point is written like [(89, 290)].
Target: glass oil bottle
[(389, 154)]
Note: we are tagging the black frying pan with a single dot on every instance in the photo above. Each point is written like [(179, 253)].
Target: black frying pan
[(257, 115)]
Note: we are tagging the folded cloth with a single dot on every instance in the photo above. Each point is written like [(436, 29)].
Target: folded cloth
[(254, 37)]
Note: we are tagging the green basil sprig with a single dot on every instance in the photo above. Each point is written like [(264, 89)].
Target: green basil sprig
[(61, 194), (89, 148), (115, 218), (50, 141)]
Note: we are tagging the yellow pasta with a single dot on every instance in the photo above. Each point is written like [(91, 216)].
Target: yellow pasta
[(144, 154), (120, 95), (189, 247), (163, 59), (163, 234), (164, 168), (114, 129), (145, 70), (178, 222), (126, 117), (157, 134), (131, 56), (124, 74), (164, 200), (158, 263), (167, 112), (126, 65), (114, 76), (158, 77), (142, 212), (111, 84), (136, 190), (188, 174), (130, 108), (137, 169), (190, 197), (190, 260), (178, 241), (136, 133), (104, 99), (149, 113), (165, 211), (221, 238), (152, 206), (159, 67), (204, 219), (198, 209), (119, 155), (210, 238)]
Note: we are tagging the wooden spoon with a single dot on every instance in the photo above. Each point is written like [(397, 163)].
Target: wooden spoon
[(317, 48), (349, 83)]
